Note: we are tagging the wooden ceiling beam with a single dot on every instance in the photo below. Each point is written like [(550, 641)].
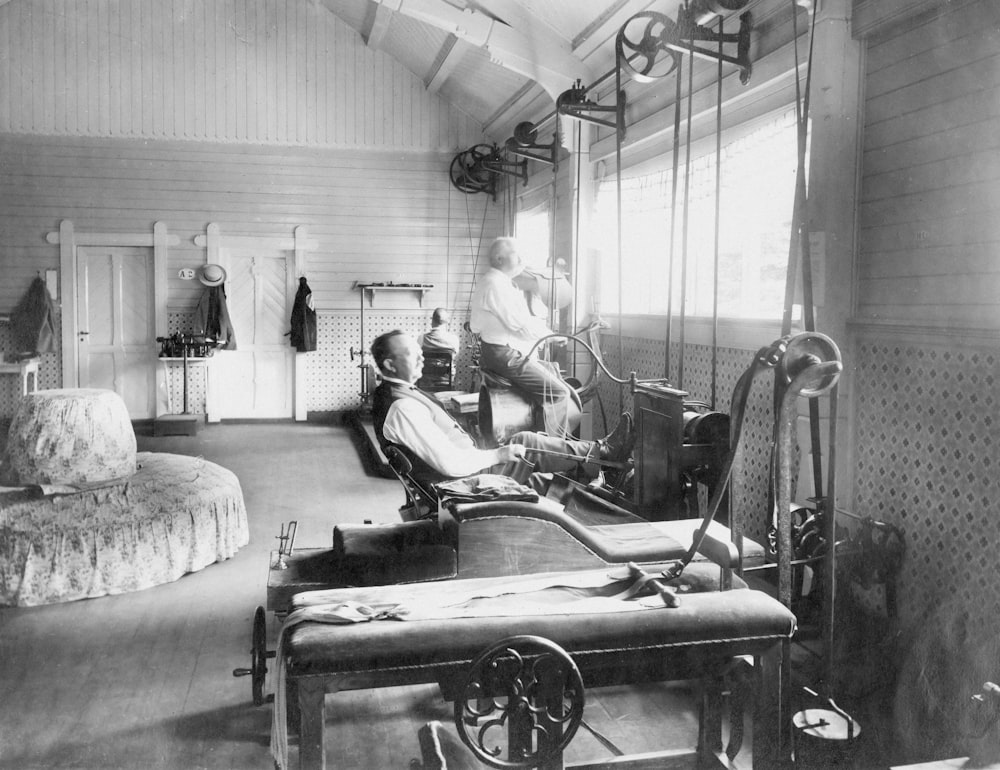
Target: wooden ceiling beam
[(534, 51), (379, 27), (447, 60)]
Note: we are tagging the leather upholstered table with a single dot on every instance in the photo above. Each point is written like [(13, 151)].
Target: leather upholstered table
[(695, 640)]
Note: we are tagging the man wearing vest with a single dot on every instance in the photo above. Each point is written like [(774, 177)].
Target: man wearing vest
[(437, 444)]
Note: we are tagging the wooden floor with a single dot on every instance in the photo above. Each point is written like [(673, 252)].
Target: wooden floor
[(144, 680)]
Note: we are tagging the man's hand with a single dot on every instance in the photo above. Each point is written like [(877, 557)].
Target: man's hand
[(509, 453)]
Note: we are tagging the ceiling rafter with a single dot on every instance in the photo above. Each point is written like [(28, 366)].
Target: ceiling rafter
[(378, 28), (447, 60), (534, 51)]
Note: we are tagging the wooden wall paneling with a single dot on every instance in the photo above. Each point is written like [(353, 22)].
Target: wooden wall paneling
[(260, 72), (375, 215), (971, 164), (910, 56), (900, 156), (929, 209)]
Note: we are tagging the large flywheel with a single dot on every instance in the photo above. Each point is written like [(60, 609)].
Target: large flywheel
[(641, 46), (469, 172)]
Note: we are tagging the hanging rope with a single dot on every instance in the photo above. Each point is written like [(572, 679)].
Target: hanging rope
[(447, 254), (799, 243), (718, 217), (575, 269), (673, 215), (475, 249), (618, 184), (687, 215)]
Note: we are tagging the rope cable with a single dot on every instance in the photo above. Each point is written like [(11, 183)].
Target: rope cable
[(475, 249), (687, 214), (575, 269), (718, 217), (673, 215), (618, 184), (447, 253)]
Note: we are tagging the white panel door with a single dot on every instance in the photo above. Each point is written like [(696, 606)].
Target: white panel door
[(255, 380), (116, 340)]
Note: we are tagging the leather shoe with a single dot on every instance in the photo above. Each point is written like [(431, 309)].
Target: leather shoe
[(617, 445)]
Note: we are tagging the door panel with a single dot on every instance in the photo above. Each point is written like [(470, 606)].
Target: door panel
[(116, 323), (255, 380)]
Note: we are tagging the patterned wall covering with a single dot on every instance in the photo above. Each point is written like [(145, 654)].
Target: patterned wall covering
[(926, 442), (333, 380), (645, 357), (49, 372)]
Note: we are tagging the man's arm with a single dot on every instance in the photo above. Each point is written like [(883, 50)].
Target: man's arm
[(410, 424)]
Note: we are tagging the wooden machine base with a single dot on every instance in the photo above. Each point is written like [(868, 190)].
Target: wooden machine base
[(176, 425)]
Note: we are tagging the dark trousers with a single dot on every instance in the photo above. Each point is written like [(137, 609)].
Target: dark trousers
[(539, 382)]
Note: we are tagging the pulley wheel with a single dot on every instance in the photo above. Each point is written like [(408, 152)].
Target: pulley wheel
[(805, 350), (525, 133), (707, 428), (720, 7), (258, 657), (517, 689), (641, 46), (468, 172)]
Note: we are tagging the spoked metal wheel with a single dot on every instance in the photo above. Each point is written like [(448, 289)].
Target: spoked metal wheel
[(258, 658)]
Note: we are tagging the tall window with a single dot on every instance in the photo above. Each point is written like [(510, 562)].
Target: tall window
[(533, 235), (756, 198)]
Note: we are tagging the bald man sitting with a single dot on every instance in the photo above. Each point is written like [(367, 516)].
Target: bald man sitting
[(508, 332), (437, 445)]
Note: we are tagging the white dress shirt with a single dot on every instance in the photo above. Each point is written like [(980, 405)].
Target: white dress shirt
[(500, 316), (428, 431)]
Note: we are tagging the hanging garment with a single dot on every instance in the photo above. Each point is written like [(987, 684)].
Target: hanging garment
[(303, 334), (31, 322), (212, 317)]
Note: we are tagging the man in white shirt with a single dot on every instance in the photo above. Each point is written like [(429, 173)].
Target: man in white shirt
[(437, 445), (439, 337), (508, 331)]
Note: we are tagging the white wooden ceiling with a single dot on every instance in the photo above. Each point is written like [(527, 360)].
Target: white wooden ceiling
[(500, 61)]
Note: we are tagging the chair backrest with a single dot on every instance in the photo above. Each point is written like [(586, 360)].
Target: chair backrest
[(438, 372), (421, 498)]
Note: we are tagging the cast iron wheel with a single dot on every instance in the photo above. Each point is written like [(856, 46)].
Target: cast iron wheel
[(258, 658)]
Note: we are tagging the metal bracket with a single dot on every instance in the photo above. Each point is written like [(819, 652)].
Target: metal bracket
[(689, 31), (648, 34), (475, 170), (524, 141), (574, 104), (286, 542)]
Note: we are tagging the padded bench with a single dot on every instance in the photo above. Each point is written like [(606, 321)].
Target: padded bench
[(516, 538), (696, 640)]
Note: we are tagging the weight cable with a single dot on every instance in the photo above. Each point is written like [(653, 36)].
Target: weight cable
[(575, 269), (686, 219), (718, 216), (618, 185), (673, 216)]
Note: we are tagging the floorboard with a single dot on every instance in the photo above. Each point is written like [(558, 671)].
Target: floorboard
[(144, 680)]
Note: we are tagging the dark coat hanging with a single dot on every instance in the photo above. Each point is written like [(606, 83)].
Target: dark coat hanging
[(31, 322), (303, 334), (212, 316)]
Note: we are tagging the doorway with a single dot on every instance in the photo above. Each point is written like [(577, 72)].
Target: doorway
[(255, 381), (112, 297), (116, 350)]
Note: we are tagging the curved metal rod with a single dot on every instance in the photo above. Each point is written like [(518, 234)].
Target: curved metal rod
[(597, 358), (766, 358)]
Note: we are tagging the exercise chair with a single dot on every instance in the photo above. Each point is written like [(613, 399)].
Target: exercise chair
[(439, 370)]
